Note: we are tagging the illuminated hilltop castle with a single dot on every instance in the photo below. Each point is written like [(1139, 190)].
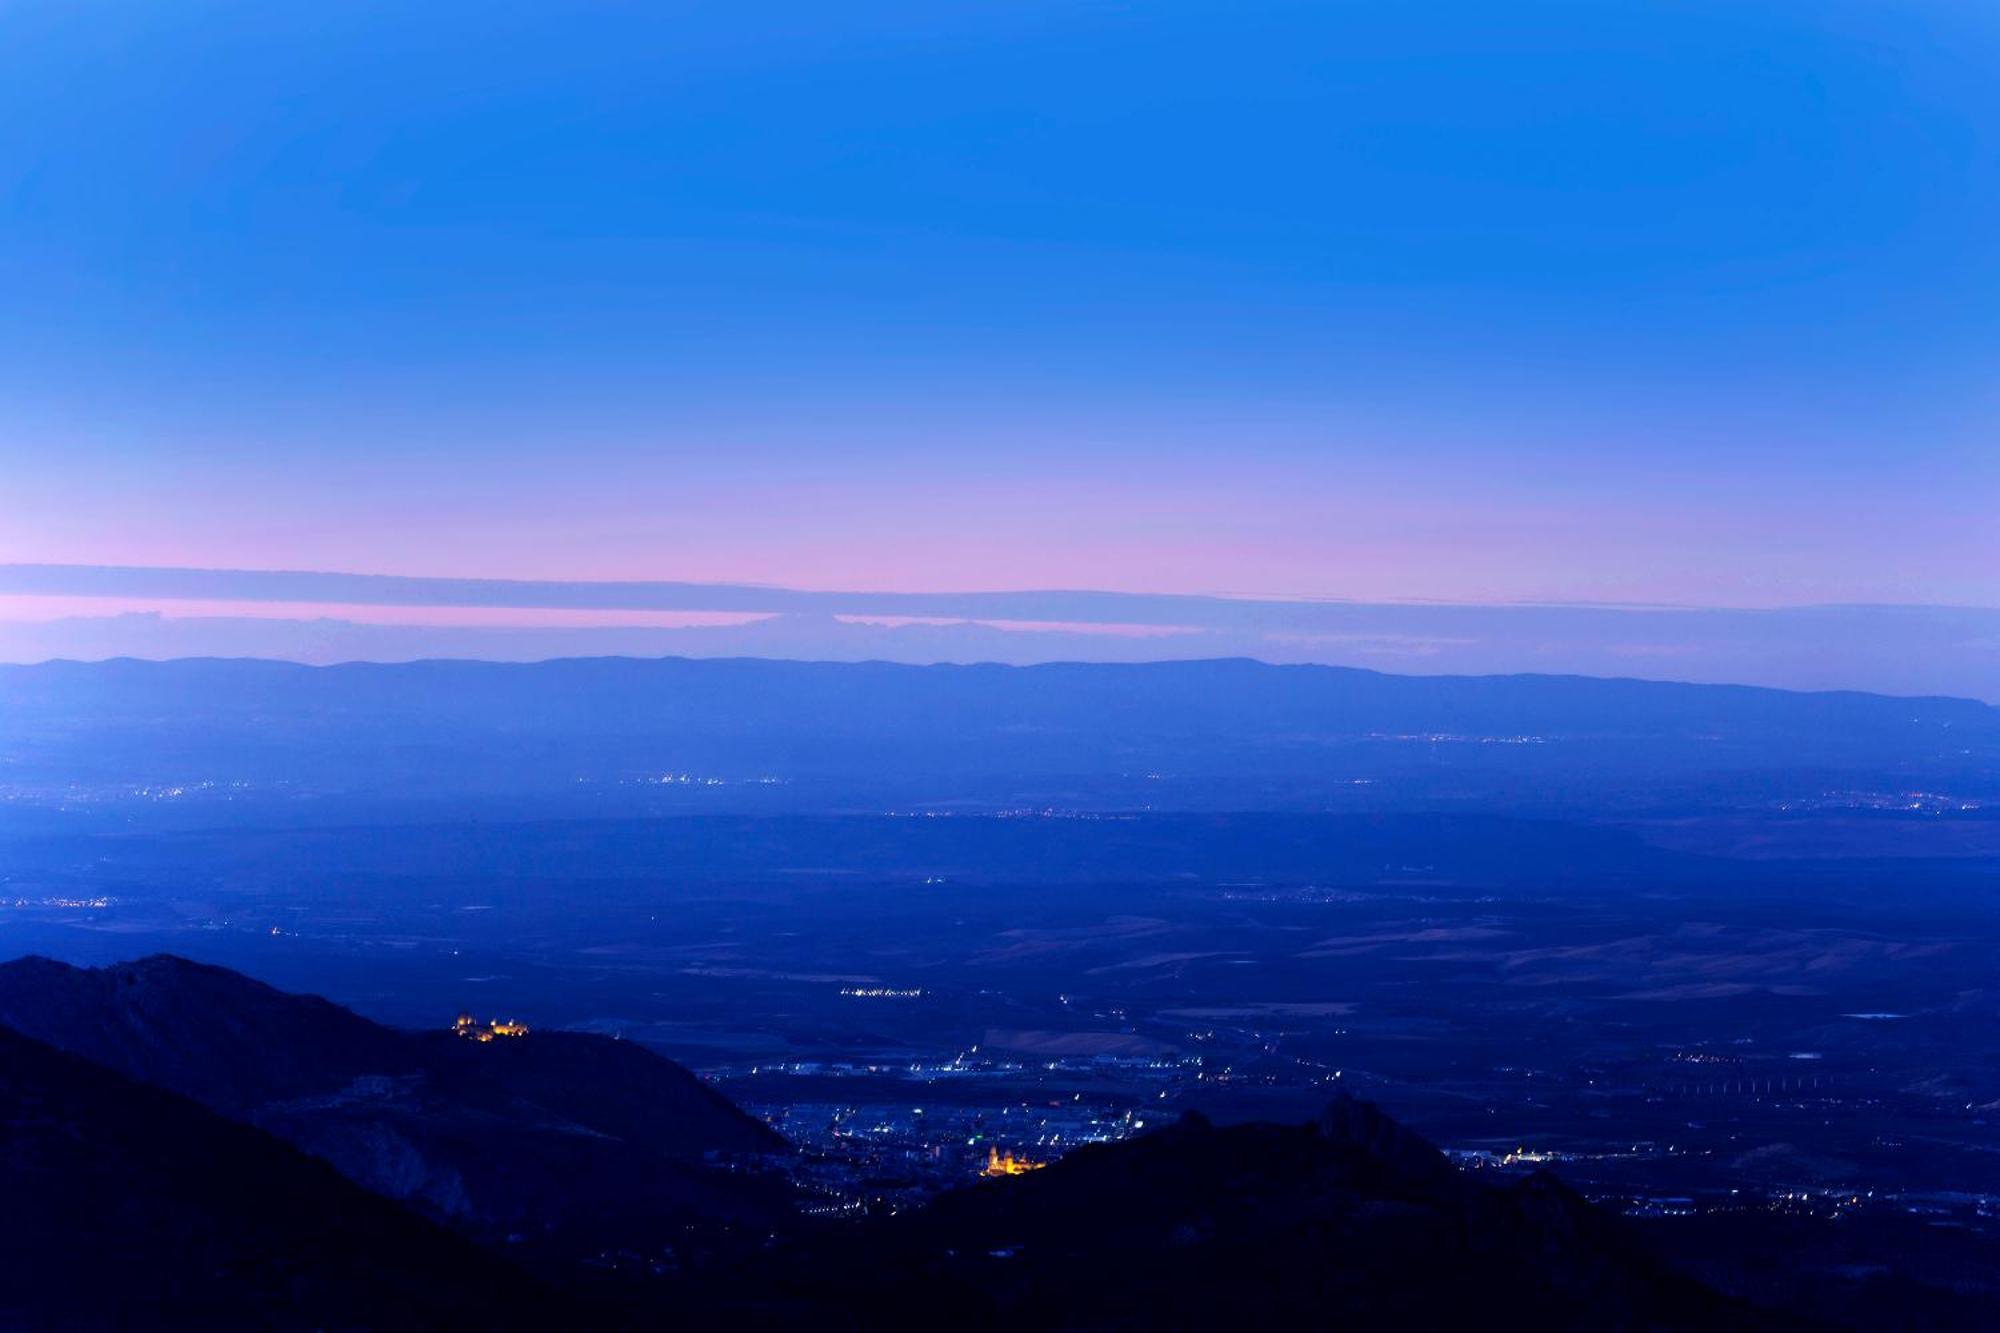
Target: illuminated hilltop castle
[(1008, 1164), (468, 1027)]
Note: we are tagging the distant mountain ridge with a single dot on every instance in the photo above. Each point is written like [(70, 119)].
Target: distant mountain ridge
[(1906, 649), (582, 729)]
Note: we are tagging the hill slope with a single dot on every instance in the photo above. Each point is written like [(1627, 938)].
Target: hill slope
[(553, 1132), (1349, 1222), (129, 1207)]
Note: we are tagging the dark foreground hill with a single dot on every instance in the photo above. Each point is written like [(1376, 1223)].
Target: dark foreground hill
[(564, 1136), (1349, 1222), (128, 1207)]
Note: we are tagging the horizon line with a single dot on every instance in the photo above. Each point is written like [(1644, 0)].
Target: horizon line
[(192, 582)]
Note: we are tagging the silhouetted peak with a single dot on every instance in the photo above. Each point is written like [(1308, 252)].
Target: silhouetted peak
[(162, 977), (1555, 1209), (241, 1046), (38, 966), (1351, 1122), (163, 969), (1350, 1221), (133, 1207)]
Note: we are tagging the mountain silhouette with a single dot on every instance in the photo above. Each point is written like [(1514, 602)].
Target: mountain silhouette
[(1348, 1222), (437, 728), (573, 1142), (563, 1135), (131, 1207)]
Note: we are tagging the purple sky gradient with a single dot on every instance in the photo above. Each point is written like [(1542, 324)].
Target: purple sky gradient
[(1564, 301), (1502, 528)]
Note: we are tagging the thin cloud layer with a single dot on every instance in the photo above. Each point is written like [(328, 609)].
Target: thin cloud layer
[(91, 612)]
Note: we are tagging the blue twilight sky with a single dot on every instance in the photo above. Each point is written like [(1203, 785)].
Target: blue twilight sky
[(1694, 303)]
